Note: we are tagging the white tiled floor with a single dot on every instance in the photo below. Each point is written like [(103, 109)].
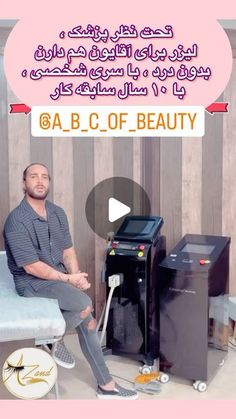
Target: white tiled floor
[(79, 383)]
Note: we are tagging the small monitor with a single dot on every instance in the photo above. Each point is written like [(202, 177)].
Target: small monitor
[(204, 249), (139, 227), (135, 228)]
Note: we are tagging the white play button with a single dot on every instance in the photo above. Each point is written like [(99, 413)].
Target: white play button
[(116, 209), (111, 200)]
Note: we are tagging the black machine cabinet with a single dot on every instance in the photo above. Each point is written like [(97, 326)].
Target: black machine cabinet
[(193, 287), (135, 252)]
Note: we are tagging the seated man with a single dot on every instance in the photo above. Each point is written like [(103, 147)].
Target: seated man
[(43, 262)]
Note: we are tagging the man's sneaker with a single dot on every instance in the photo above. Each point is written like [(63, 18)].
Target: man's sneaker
[(61, 355), (119, 393)]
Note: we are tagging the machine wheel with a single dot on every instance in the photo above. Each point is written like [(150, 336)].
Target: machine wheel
[(200, 386), (221, 363), (145, 369), (164, 378)]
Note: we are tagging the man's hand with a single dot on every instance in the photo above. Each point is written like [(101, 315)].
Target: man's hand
[(79, 280)]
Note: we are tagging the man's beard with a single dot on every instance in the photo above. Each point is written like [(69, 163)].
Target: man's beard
[(36, 195)]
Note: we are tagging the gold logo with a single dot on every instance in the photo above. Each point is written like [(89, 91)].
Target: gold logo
[(29, 373)]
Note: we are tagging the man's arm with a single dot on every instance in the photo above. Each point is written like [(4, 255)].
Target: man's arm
[(70, 260), (42, 270)]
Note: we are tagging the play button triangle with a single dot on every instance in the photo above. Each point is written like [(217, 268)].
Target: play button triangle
[(116, 209)]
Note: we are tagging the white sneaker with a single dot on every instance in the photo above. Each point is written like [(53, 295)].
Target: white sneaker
[(61, 355)]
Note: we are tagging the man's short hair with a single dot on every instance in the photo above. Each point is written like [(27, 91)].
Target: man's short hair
[(33, 164)]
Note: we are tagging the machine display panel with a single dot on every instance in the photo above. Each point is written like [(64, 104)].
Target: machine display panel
[(136, 228), (139, 227), (126, 246), (204, 249)]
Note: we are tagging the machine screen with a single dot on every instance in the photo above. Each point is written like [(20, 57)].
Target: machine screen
[(204, 249), (126, 246), (139, 227)]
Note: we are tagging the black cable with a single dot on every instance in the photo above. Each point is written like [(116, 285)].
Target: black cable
[(232, 343), (146, 391), (232, 347), (122, 378)]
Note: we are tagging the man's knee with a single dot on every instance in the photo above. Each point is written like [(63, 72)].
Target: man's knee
[(88, 307), (92, 324), (85, 313)]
